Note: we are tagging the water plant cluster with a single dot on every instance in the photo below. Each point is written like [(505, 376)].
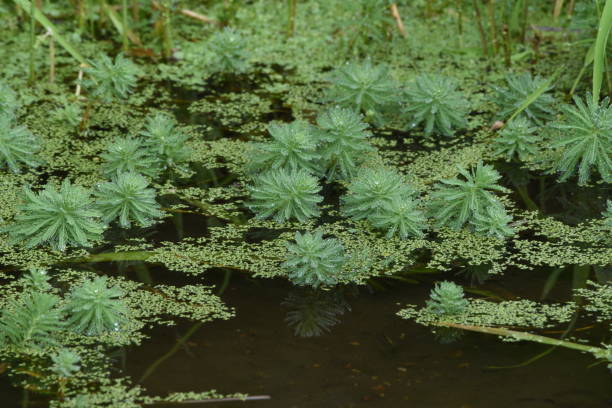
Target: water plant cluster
[(331, 144)]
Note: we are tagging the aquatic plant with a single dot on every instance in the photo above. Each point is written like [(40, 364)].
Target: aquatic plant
[(493, 221), (434, 100), (129, 155), (371, 189), (516, 140), (401, 217), (345, 141), (314, 312), (447, 298), (165, 141), (128, 199), (519, 87), (293, 147), (68, 112), (456, 201), (31, 320), (608, 214), (226, 51), (59, 218), (18, 146), (364, 87), (95, 308), (586, 139), (108, 80), (65, 363), (8, 100), (313, 260), (284, 194), (37, 280)]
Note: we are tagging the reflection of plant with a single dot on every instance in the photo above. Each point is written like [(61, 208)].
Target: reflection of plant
[(31, 320), (364, 87), (433, 99), (293, 147), (284, 194), (65, 363), (314, 312), (17, 145), (345, 136), (447, 335), (476, 274), (516, 139), (586, 139), (61, 218), (447, 298), (493, 221), (95, 308), (313, 260), (456, 201), (399, 216), (165, 141), (110, 80), (519, 88), (128, 199), (226, 52), (129, 155)]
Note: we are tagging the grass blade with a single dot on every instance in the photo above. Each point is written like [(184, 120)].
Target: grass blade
[(603, 32)]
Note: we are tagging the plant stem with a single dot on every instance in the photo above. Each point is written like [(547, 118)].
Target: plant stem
[(493, 26), (124, 19), (31, 75), (525, 18), (603, 32), (459, 21), (483, 36), (292, 14)]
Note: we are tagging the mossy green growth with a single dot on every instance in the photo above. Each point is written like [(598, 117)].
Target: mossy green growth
[(18, 146), (516, 140), (435, 101), (108, 80), (313, 260), (447, 298), (519, 88), (59, 218)]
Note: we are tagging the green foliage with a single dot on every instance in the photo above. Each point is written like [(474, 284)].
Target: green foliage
[(345, 141), (313, 260), (126, 154), (110, 80), (284, 195), (494, 221), (371, 189), (433, 99), (364, 87), (59, 218), (366, 27), (8, 100), (293, 147), (31, 320), (516, 139), (314, 312), (608, 214), (447, 298), (128, 199), (399, 216), (68, 113), (166, 142), (519, 88), (94, 308), (456, 201), (37, 280), (226, 52), (18, 146), (65, 363), (586, 138)]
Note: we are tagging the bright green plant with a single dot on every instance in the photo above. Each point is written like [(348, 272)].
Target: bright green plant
[(31, 319), (65, 363), (165, 141), (516, 140), (226, 52), (37, 279), (8, 100), (519, 87), (284, 195), (493, 221), (456, 201), (371, 189), (364, 87), (125, 155), (95, 308), (313, 260), (447, 298), (128, 199), (435, 101), (401, 217), (68, 113), (108, 80), (586, 139), (345, 138), (59, 218), (293, 147), (18, 146)]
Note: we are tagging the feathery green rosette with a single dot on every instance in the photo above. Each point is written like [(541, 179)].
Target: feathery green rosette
[(226, 52), (516, 139), (125, 155), (128, 199), (345, 141), (285, 195), (65, 363), (435, 101), (447, 298), (18, 146), (166, 142), (519, 88), (401, 217), (313, 260), (61, 218), (493, 221), (110, 80), (8, 100)]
